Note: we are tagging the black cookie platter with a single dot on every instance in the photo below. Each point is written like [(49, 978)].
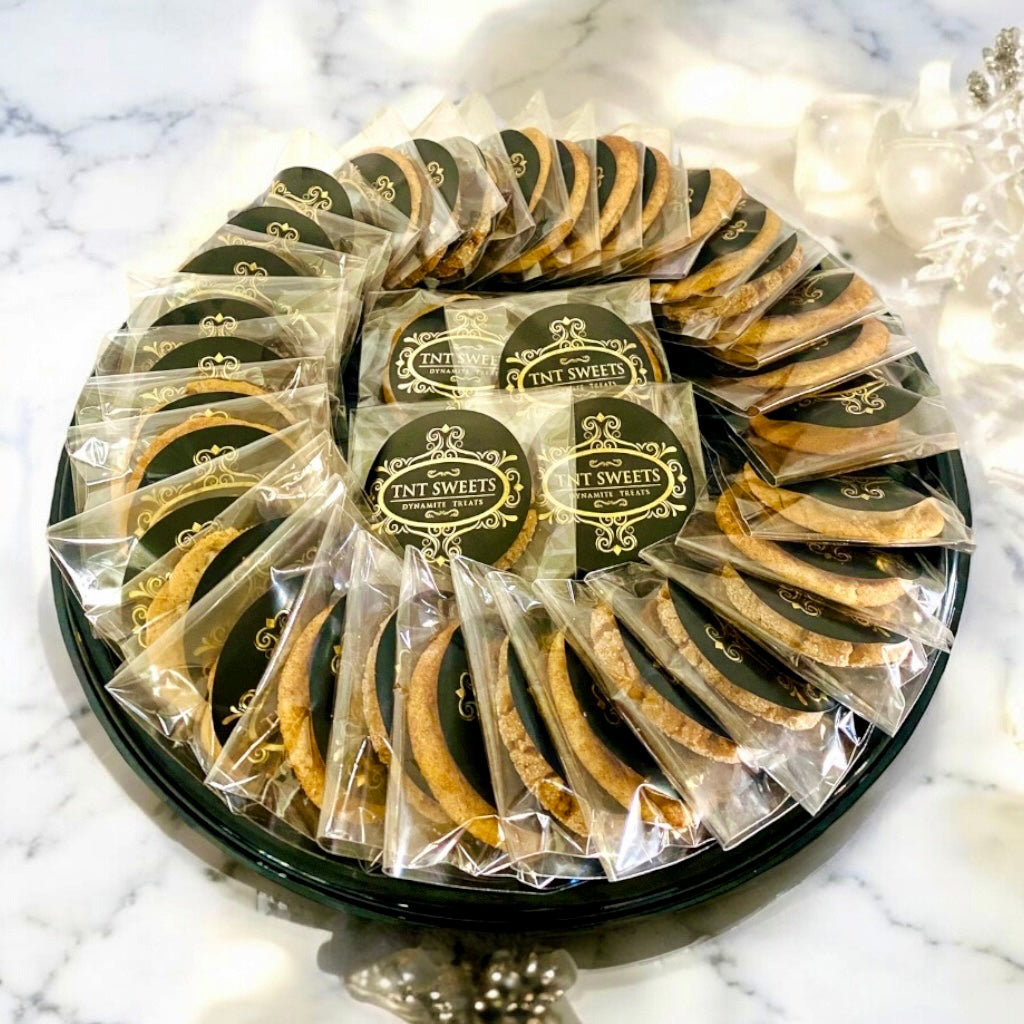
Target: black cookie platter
[(299, 865)]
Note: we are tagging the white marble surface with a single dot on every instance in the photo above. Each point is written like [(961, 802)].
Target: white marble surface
[(124, 133)]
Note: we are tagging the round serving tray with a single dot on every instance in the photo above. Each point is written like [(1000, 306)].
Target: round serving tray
[(301, 866)]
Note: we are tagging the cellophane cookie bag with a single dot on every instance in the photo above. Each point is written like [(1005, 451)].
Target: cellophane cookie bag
[(355, 791), (101, 551), (116, 457), (515, 226), (889, 506), (160, 592), (192, 685), (899, 592), (386, 156), (463, 478), (442, 824), (691, 747), (275, 755), (876, 672), (830, 297), (543, 827), (635, 819), (124, 395), (830, 361), (633, 472), (784, 726), (458, 168), (717, 316), (601, 335), (892, 414)]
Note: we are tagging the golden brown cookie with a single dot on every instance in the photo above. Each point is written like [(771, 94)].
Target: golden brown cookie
[(734, 665), (604, 744), (529, 153), (799, 621), (525, 736), (667, 707), (713, 195), (869, 507), (840, 574), (657, 184), (460, 797)]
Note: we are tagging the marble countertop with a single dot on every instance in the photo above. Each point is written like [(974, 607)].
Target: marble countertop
[(124, 135)]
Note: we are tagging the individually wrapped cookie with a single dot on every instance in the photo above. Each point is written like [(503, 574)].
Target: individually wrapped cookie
[(601, 334), (632, 473), (219, 345), (722, 317), (873, 671), (821, 303), (458, 169), (464, 478), (576, 147), (830, 361), (635, 819), (529, 142), (116, 396), (386, 156), (899, 592), (693, 749), (664, 199), (422, 346), (160, 591), (115, 457), (274, 756), (441, 819), (890, 414), (102, 550), (543, 827), (355, 791), (788, 728), (193, 684), (888, 506), (515, 226), (712, 195)]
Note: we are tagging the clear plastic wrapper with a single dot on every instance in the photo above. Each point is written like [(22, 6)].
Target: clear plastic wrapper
[(888, 506), (601, 335), (274, 757), (441, 816), (695, 752), (891, 414), (633, 472), (101, 551), (712, 195), (873, 671), (355, 792), (722, 317), (831, 361), (458, 169), (529, 141), (635, 819), (823, 302), (161, 591), (576, 146), (194, 684), (515, 226), (542, 825), (121, 395), (386, 156), (220, 346), (116, 457), (464, 478), (410, 343), (899, 592), (313, 179), (788, 728)]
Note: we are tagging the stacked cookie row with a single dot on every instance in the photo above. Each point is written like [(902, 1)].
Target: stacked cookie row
[(395, 652)]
